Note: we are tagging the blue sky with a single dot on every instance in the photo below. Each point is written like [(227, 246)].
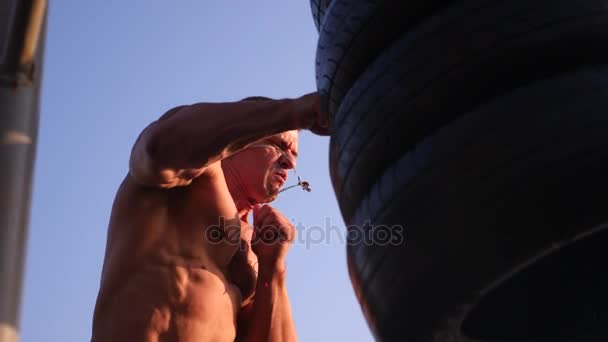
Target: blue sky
[(111, 67)]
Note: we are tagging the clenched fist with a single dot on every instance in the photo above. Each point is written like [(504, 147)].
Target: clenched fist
[(310, 115), (273, 236)]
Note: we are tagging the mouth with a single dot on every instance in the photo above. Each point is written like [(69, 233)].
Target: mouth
[(281, 176)]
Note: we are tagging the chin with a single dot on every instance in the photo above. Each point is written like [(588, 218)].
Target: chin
[(271, 192), (271, 199)]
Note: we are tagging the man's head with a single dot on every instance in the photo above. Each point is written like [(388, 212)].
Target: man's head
[(260, 170)]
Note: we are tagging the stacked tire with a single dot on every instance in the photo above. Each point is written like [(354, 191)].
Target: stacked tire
[(477, 131)]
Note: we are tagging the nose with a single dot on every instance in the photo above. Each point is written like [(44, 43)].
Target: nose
[(287, 161)]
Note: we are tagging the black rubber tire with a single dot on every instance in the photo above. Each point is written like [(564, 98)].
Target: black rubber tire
[(318, 8), (449, 65), (480, 198), (354, 32)]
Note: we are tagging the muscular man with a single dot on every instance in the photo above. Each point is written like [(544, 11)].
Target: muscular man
[(180, 264)]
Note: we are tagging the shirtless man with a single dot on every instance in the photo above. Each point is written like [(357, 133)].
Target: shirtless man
[(182, 263)]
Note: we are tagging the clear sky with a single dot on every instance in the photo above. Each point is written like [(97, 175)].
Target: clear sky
[(112, 67)]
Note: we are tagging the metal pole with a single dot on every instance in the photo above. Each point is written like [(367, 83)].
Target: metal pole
[(22, 36)]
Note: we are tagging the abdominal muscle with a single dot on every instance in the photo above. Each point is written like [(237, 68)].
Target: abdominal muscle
[(170, 304), (159, 282)]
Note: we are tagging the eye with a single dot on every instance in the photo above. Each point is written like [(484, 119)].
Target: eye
[(281, 146)]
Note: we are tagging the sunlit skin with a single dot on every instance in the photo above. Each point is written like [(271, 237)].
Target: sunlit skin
[(195, 174), (285, 144)]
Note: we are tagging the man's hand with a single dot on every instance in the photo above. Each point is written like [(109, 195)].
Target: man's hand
[(308, 110), (273, 236)]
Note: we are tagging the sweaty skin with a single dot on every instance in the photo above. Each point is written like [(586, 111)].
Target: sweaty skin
[(179, 263)]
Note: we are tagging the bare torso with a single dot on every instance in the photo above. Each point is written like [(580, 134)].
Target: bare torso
[(163, 278)]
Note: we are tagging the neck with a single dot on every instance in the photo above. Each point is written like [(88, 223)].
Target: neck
[(243, 204)]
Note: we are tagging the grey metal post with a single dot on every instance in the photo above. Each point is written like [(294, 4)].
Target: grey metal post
[(22, 36)]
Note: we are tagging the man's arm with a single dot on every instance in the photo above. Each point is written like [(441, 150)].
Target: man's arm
[(180, 145), (270, 316)]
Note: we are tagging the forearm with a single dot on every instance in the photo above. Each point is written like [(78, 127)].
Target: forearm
[(200, 134), (271, 317)]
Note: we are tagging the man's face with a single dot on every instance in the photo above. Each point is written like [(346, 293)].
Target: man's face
[(263, 167)]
